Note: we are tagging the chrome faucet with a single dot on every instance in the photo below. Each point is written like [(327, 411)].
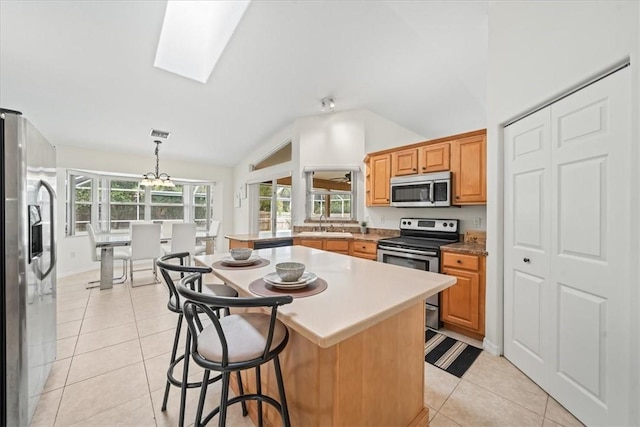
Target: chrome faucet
[(320, 226)]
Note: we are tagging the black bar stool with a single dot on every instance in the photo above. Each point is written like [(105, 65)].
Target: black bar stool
[(178, 263), (234, 343)]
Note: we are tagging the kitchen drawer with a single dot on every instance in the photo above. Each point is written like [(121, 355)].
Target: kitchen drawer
[(367, 250), (311, 243), (468, 262), (336, 246)]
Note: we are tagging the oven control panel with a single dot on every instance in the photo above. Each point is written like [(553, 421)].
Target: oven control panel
[(427, 224)]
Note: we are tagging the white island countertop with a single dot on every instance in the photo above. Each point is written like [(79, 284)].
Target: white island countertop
[(360, 292)]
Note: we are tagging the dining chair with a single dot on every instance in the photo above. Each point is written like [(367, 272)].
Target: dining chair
[(235, 343), (183, 239), (214, 229), (145, 244), (96, 256)]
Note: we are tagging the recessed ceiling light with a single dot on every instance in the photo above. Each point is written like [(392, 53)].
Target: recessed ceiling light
[(327, 104), (194, 34)]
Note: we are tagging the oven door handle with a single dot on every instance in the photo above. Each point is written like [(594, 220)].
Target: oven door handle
[(407, 251)]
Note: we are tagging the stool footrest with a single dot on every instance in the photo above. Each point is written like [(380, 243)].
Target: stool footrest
[(243, 398), (178, 383)]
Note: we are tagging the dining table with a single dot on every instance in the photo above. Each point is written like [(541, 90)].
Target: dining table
[(106, 242), (355, 354)]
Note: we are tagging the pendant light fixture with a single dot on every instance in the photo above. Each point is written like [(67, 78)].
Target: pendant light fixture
[(157, 178)]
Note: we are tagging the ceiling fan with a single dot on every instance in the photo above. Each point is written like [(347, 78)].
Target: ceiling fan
[(346, 178)]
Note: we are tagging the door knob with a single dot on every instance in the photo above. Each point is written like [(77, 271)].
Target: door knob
[(527, 260)]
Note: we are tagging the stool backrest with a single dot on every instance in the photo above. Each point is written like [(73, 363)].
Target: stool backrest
[(145, 241), (179, 263), (195, 302)]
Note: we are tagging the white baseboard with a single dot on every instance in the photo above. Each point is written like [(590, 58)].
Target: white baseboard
[(491, 348)]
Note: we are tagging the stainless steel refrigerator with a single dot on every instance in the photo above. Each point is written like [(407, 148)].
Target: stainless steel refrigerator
[(27, 265)]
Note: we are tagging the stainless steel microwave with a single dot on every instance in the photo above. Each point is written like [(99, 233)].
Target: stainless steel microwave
[(425, 190)]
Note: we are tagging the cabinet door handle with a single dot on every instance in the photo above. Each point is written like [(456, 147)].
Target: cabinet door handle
[(424, 168), (527, 260), (414, 169), (459, 261)]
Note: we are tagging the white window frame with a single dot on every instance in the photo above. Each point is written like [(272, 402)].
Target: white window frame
[(102, 180)]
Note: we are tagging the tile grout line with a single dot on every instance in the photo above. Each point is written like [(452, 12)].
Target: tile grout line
[(64, 386), (509, 400), (144, 362)]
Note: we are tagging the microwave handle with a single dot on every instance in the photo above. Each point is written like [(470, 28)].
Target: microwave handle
[(431, 196)]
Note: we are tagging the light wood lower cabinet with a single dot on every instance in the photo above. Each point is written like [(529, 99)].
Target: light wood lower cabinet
[(310, 243), (462, 305), (340, 246), (367, 250)]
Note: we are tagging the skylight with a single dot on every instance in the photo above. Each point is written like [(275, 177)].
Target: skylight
[(194, 35)]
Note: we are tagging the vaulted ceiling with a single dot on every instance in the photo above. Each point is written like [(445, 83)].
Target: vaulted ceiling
[(82, 72)]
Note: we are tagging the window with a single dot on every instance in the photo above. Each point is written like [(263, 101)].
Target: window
[(330, 194), (167, 202), (126, 203), (80, 201), (202, 205), (112, 202), (274, 206)]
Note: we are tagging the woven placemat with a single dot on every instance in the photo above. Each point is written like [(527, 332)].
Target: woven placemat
[(260, 287), (220, 266)]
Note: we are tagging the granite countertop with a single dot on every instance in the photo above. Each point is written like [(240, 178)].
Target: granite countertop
[(262, 237), (332, 316), (466, 248)]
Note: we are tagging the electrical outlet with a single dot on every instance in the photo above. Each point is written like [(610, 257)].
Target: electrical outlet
[(381, 219), (477, 222)]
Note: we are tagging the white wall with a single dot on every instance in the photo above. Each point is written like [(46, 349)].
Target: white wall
[(73, 251), (538, 50), (242, 174)]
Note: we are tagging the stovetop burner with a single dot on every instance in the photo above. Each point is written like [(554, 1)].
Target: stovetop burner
[(416, 242), (424, 234)]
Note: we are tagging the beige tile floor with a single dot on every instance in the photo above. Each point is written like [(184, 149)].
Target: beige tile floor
[(114, 346)]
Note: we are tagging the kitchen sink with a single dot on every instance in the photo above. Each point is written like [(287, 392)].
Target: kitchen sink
[(324, 234)]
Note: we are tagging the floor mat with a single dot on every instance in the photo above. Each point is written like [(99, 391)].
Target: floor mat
[(449, 354)]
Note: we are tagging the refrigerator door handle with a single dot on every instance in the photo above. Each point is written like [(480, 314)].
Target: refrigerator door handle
[(52, 246)]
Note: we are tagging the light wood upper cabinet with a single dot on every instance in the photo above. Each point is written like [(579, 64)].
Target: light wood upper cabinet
[(378, 180), (469, 170), (434, 158), (464, 154), (404, 162)]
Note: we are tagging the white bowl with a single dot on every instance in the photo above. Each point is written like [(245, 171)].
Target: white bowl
[(290, 271), (240, 254)]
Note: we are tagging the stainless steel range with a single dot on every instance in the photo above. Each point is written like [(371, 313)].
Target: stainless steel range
[(418, 246)]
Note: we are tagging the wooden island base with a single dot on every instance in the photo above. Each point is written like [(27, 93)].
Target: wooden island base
[(374, 378)]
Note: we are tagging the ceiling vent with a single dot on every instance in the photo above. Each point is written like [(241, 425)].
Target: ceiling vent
[(160, 134)]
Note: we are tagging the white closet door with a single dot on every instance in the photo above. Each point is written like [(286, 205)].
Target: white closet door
[(527, 246), (567, 249), (590, 172)]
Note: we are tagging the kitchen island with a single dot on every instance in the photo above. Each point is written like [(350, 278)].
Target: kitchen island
[(356, 351)]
